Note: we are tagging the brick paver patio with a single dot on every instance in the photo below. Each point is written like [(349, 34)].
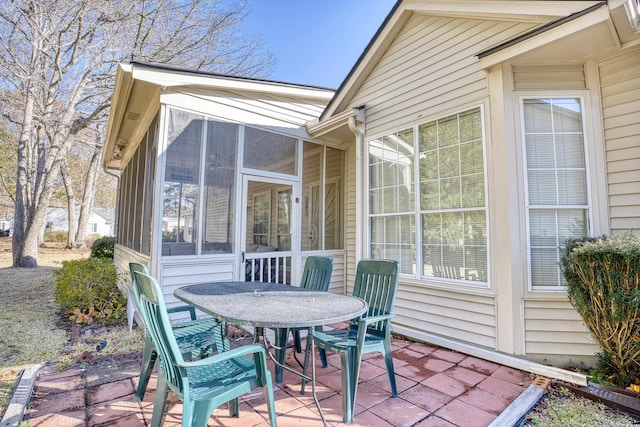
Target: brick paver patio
[(436, 387)]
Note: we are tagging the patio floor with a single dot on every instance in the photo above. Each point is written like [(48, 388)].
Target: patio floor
[(436, 387)]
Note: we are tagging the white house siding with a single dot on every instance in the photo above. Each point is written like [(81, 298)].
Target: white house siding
[(553, 330), (178, 273), (431, 70), (620, 88)]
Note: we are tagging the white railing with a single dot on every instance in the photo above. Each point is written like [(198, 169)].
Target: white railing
[(273, 267)]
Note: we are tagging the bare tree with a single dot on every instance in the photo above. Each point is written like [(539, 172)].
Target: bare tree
[(58, 60)]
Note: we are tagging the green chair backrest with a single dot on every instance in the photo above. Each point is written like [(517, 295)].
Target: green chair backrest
[(141, 268), (317, 273), (377, 283), (156, 318)]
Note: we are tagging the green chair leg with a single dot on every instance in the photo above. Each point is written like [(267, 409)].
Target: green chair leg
[(148, 360), (281, 335), (159, 404)]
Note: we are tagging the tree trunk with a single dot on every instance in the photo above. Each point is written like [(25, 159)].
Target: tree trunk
[(71, 207), (89, 192)]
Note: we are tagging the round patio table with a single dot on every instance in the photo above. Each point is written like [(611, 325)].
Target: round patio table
[(272, 305)]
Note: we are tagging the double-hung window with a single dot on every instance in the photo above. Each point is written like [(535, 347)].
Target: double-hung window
[(558, 206), (437, 228)]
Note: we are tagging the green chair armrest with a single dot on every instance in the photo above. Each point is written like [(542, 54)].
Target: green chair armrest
[(190, 309), (244, 350), (374, 319)]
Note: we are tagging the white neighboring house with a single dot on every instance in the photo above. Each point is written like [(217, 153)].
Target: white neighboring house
[(100, 221)]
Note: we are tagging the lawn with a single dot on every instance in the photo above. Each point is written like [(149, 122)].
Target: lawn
[(33, 329)]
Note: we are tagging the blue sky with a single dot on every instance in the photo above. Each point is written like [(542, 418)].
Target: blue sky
[(315, 42)]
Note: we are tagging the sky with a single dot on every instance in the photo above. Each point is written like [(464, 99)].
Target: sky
[(315, 42)]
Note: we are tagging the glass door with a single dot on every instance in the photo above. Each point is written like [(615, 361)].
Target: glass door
[(268, 227)]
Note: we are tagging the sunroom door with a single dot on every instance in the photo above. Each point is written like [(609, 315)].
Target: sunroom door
[(269, 225)]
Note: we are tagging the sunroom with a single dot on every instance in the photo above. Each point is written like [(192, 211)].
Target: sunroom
[(219, 179)]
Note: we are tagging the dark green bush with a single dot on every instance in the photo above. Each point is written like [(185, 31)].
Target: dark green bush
[(603, 280), (87, 290), (103, 247)]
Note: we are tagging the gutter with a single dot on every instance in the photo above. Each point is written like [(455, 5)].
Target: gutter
[(542, 29), (358, 131)]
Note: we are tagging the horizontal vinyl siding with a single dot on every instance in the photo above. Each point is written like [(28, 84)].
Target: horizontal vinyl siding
[(546, 77), (185, 272), (122, 256), (620, 88), (554, 327), (431, 68), (454, 315)]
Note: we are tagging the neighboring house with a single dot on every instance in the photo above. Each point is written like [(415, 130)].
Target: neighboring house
[(5, 226), (100, 221), (468, 142)]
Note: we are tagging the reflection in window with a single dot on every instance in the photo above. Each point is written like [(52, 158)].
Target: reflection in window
[(452, 197), (261, 218), (391, 199), (322, 217), (181, 183), (271, 152), (283, 228), (219, 188), (451, 205)]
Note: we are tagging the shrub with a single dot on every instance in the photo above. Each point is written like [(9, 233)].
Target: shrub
[(55, 236), (87, 290), (103, 247), (603, 279)]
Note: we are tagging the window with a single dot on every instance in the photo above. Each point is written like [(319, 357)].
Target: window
[(556, 184), (261, 218), (270, 151), (136, 195), (283, 229), (322, 218), (451, 209), (200, 166)]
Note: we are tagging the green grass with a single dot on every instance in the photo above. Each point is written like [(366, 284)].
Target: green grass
[(33, 329)]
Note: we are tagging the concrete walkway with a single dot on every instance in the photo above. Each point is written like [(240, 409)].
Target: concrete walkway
[(437, 387)]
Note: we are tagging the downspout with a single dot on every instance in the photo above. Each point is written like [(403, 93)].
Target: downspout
[(357, 126)]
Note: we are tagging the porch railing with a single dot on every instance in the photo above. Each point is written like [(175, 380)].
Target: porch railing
[(273, 267)]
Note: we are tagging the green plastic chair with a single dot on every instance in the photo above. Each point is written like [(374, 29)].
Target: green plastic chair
[(376, 282), (316, 276), (204, 384), (196, 338)]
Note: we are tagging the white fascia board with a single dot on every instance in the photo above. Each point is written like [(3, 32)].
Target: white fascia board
[(574, 26), (119, 99), (316, 128), (169, 78), (522, 11)]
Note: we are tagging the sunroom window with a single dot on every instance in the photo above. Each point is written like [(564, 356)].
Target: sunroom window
[(450, 211), (557, 193), (199, 151)]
